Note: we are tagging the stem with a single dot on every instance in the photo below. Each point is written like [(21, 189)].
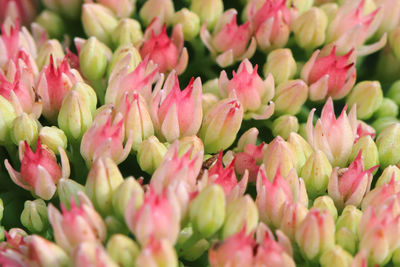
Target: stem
[(100, 90), (12, 152), (79, 166)]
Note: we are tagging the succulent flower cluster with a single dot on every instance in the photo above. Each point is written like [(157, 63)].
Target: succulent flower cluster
[(237, 133)]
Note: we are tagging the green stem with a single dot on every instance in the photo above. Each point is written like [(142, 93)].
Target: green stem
[(78, 163), (12, 152), (99, 88)]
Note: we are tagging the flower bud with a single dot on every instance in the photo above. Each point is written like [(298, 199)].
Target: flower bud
[(122, 250), (123, 194), (50, 48), (34, 216), (347, 240), (281, 64), (316, 172), (388, 108), (367, 96), (158, 253), (349, 219), (388, 145), (326, 203), (102, 181), (394, 40), (190, 22), (74, 117), (122, 8), (193, 252), (68, 189), (98, 21), (207, 210), (290, 97), (382, 123), (316, 234), (7, 116), (69, 8), (89, 253), (394, 92), (309, 28), (391, 171), (284, 125), (300, 5), (120, 56), (369, 151), (241, 212), (24, 128), (52, 22), (53, 137), (87, 94), (279, 155), (208, 11), (336, 256), (150, 154), (42, 252), (302, 150), (128, 31), (293, 213), (93, 59), (163, 9), (221, 125)]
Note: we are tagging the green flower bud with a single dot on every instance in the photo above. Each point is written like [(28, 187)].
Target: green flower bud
[(115, 226), (193, 252), (34, 216), (164, 9), (67, 188), (87, 93), (369, 152), (309, 28), (316, 173), (396, 257), (49, 48), (284, 125), (150, 154), (347, 240), (93, 59), (128, 31), (190, 22), (281, 64), (192, 143), (24, 128), (301, 149), (122, 195), (207, 210), (388, 143), (208, 10), (52, 22), (330, 10), (368, 96), (336, 256), (70, 8), (122, 250), (7, 116), (349, 219), (53, 138), (394, 41), (120, 54), (290, 97), (300, 5), (394, 92), (326, 203), (388, 108), (391, 171), (382, 123)]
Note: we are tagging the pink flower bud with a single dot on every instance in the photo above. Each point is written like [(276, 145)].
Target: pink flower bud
[(329, 75), (91, 254), (39, 170), (177, 113), (157, 217), (18, 10), (279, 154), (229, 42), (45, 253), (157, 253), (391, 15), (379, 195), (350, 187), (293, 213), (250, 159), (79, 224), (253, 93), (122, 8), (167, 52), (334, 137)]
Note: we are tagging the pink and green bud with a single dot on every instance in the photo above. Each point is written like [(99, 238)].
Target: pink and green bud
[(250, 158), (221, 125), (69, 9), (52, 23), (285, 125), (302, 150), (241, 212), (391, 171), (53, 137), (309, 28), (157, 253), (369, 152), (290, 97), (388, 108), (42, 252), (347, 240), (281, 64), (23, 11), (293, 213), (368, 97), (122, 9), (391, 16), (326, 203), (300, 5), (190, 22), (123, 195), (34, 216), (128, 31), (298, 188), (207, 211), (248, 137), (336, 256), (349, 219), (162, 9), (329, 75), (125, 54), (208, 11), (167, 52), (93, 59), (316, 172), (89, 253), (378, 196), (316, 234), (68, 189), (102, 182), (177, 113), (333, 136), (394, 92), (40, 171), (98, 21), (50, 48), (388, 145), (122, 250), (79, 224), (24, 128), (229, 42), (192, 144), (7, 116), (150, 154), (279, 154)]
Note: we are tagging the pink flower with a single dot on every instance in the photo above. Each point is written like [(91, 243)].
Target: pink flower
[(18, 10), (229, 42), (334, 137), (177, 113), (91, 254), (39, 170), (350, 187), (250, 159), (168, 53), (252, 92), (270, 23), (378, 196), (364, 129), (158, 217), (330, 75)]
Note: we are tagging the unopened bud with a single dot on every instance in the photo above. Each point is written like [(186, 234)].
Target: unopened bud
[(163, 9), (190, 22), (284, 125), (53, 137), (326, 203), (24, 128), (388, 108), (128, 31), (388, 145), (391, 171), (281, 64), (290, 97), (122, 250), (150, 154), (208, 10), (120, 54), (128, 189), (336, 256), (368, 96), (34, 216), (93, 58), (52, 22)]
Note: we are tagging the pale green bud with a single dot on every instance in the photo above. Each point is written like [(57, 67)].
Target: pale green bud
[(368, 97), (122, 250), (290, 97), (350, 219), (193, 252), (87, 93), (394, 41), (347, 240), (67, 188), (53, 138), (128, 31), (150, 154), (284, 125), (52, 22), (190, 22), (24, 128), (388, 108), (336, 256), (330, 10), (7, 116), (93, 59), (122, 195), (391, 171), (326, 203), (208, 10), (281, 64), (49, 48), (388, 143), (163, 9), (394, 92), (369, 152), (120, 54), (34, 216), (301, 149)]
